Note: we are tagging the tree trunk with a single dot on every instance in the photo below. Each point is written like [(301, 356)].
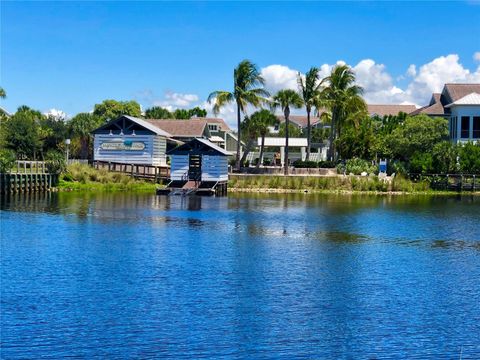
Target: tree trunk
[(287, 123), (262, 147), (332, 136), (309, 134), (248, 148), (238, 136)]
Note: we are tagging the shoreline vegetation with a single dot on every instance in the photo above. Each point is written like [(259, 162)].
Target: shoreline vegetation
[(79, 177)]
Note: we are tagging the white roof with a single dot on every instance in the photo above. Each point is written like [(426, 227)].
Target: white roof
[(280, 141), (213, 146), (216, 139), (470, 99), (148, 126)]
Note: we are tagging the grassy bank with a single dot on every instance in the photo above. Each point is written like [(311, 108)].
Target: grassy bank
[(81, 177), (324, 184)]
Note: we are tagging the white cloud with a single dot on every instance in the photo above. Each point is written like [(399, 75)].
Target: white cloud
[(412, 70), (57, 114), (476, 56), (278, 77), (176, 100)]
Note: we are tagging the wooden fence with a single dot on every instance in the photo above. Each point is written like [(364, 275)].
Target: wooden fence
[(450, 182), (137, 171)]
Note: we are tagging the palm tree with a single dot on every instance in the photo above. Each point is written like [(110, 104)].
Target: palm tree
[(3, 94), (262, 120), (343, 98), (309, 89), (247, 89), (81, 126), (250, 133), (286, 99)]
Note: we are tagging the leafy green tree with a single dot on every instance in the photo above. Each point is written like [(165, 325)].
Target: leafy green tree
[(158, 112), (53, 133), (319, 135), (80, 127), (247, 89), (112, 109), (197, 112), (7, 160), (3, 94), (22, 132), (262, 120), (286, 99), (444, 158), (421, 163), (417, 134), (358, 141), (309, 90), (343, 98), (293, 131), (470, 158)]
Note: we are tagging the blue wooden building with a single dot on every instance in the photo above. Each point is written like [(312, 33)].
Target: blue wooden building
[(198, 166)]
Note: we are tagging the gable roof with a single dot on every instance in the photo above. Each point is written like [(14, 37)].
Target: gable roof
[(435, 106), (470, 99), (198, 146), (223, 125), (300, 120), (140, 122), (389, 109), (181, 128), (454, 92)]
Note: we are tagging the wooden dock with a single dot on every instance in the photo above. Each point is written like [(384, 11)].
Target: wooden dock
[(27, 177), (450, 182), (153, 173)]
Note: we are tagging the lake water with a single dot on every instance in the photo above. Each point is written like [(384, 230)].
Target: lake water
[(304, 276)]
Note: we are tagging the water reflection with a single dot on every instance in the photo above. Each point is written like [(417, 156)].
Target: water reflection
[(245, 276)]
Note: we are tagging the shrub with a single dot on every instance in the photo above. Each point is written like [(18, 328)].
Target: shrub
[(267, 162), (55, 162), (326, 164), (421, 163), (470, 158), (356, 166), (305, 164), (7, 160)]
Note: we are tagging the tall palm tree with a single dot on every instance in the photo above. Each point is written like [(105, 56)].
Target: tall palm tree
[(343, 98), (247, 89), (3, 94), (81, 126), (286, 99), (309, 89), (263, 120)]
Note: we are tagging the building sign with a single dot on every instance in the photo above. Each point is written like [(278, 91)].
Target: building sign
[(123, 145)]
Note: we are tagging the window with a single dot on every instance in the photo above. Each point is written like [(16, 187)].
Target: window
[(476, 127), (453, 127), (213, 127), (465, 127)]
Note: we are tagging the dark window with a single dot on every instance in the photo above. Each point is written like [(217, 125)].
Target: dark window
[(476, 127), (465, 129)]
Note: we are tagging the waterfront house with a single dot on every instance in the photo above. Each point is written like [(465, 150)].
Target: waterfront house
[(382, 110), (215, 130), (460, 104), (131, 140)]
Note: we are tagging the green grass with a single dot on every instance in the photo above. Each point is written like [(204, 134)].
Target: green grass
[(81, 177), (327, 184)]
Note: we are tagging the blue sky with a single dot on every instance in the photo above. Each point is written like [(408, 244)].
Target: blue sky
[(71, 55)]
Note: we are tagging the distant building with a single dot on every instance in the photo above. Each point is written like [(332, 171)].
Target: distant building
[(460, 104), (215, 130), (389, 109)]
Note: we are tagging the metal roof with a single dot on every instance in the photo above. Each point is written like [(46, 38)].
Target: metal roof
[(470, 99), (280, 141)]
